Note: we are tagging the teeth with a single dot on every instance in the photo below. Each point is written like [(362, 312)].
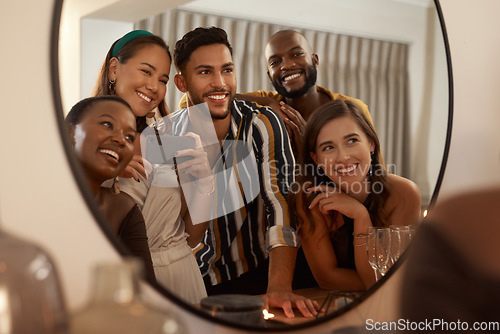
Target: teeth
[(147, 99), (217, 97), (111, 153), (347, 170), (291, 77)]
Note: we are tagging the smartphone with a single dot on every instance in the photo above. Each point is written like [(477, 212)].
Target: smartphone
[(161, 149)]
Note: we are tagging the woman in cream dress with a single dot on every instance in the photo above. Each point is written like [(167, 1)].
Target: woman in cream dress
[(136, 68), (160, 199)]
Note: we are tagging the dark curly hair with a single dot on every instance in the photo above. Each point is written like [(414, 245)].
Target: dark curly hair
[(196, 38), (80, 109)]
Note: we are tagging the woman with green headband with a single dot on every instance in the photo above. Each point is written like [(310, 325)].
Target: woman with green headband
[(144, 46), (136, 68)]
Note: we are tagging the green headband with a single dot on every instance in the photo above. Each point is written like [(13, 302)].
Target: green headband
[(127, 38)]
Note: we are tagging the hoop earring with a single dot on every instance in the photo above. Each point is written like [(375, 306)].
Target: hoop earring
[(116, 186), (112, 85)]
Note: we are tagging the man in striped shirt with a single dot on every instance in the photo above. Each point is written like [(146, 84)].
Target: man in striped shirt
[(253, 241)]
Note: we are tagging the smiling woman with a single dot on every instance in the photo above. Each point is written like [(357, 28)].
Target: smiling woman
[(340, 201), (427, 75), (137, 68), (102, 130), (41, 197)]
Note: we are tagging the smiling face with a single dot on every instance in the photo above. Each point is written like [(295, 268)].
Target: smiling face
[(209, 77), (104, 140), (142, 80), (291, 65), (343, 152)]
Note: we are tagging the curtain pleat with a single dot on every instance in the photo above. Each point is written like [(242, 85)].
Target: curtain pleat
[(374, 71)]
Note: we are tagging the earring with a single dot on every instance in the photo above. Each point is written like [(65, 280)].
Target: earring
[(151, 114), (370, 171), (112, 85), (116, 186)]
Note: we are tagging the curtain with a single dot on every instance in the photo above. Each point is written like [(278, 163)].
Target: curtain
[(374, 71)]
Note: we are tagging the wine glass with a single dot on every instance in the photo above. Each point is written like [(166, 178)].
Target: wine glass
[(411, 235), (383, 249), (399, 240), (371, 249)]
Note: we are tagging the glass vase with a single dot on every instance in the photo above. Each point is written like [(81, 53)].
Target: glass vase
[(31, 299), (116, 306)]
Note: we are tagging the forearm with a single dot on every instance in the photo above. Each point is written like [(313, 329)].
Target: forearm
[(279, 288), (363, 267), (281, 268), (198, 213), (200, 201), (323, 263), (196, 233)]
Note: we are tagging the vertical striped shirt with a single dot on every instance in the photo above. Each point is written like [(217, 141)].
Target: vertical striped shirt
[(254, 171)]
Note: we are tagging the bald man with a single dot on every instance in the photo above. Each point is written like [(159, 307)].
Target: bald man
[(291, 67)]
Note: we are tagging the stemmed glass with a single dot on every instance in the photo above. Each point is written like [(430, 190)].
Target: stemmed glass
[(411, 235), (378, 249), (400, 237), (371, 249), (383, 249)]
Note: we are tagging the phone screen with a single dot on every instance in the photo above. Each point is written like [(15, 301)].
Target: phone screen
[(161, 149)]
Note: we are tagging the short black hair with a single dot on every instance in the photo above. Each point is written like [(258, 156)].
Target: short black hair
[(79, 110), (196, 38)]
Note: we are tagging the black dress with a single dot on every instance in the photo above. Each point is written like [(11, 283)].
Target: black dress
[(132, 232), (342, 241)]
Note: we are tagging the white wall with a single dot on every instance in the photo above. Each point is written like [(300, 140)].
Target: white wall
[(474, 160), (97, 37), (40, 201), (70, 54), (111, 16)]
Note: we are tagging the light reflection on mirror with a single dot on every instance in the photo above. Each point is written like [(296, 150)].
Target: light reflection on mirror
[(412, 22)]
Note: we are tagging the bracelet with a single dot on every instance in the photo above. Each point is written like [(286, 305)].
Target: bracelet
[(211, 191), (360, 235), (359, 244)]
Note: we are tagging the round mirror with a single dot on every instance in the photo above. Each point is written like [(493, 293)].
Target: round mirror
[(400, 42)]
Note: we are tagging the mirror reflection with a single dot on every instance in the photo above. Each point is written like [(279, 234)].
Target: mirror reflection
[(396, 78), (103, 130)]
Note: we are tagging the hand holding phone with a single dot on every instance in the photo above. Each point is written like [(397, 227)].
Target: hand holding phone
[(161, 149)]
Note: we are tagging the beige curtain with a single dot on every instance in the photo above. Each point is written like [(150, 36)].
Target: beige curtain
[(374, 71)]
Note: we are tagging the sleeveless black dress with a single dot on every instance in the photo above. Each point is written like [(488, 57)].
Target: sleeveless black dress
[(342, 241)]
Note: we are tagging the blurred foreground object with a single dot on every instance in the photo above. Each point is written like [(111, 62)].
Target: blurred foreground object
[(453, 271), (30, 295), (116, 306)]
